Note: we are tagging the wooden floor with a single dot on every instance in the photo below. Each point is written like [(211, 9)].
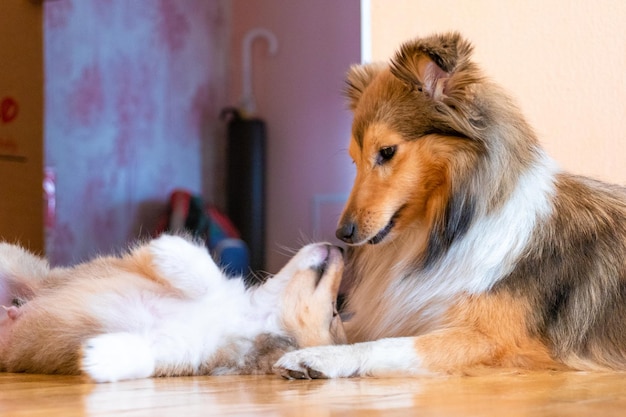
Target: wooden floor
[(500, 394)]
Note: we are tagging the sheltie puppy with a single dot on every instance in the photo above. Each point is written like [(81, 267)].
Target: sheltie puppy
[(162, 309), (469, 247)]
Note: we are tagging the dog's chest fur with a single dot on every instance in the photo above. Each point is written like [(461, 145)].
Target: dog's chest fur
[(389, 277)]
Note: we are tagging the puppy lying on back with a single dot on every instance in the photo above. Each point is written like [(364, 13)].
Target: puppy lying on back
[(163, 309)]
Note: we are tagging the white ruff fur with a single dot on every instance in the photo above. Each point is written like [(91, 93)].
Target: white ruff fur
[(492, 245)]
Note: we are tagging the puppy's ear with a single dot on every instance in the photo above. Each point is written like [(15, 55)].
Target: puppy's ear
[(428, 64), (357, 80)]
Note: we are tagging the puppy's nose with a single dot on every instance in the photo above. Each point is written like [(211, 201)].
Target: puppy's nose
[(346, 232)]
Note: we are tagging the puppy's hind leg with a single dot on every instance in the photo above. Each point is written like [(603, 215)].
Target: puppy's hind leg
[(185, 266), (113, 357)]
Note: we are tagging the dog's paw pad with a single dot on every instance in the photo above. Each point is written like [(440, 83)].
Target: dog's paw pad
[(305, 373), (313, 374)]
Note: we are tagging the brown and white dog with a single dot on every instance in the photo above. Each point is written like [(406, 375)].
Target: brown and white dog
[(162, 309), (469, 246)]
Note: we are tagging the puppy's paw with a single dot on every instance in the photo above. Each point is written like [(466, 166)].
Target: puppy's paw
[(318, 362), (186, 266), (117, 356)]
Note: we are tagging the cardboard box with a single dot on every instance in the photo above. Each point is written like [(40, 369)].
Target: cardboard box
[(21, 123)]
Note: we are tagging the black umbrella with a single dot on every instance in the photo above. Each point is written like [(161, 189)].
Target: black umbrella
[(245, 181)]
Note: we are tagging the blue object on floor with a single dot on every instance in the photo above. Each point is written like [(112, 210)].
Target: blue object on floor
[(232, 256)]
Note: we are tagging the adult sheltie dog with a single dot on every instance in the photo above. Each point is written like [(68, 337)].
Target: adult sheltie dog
[(163, 309), (469, 246)]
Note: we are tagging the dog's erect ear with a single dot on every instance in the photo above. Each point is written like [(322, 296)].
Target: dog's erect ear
[(427, 64), (357, 80)]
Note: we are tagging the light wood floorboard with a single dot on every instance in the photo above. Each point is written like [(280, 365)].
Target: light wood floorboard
[(500, 393)]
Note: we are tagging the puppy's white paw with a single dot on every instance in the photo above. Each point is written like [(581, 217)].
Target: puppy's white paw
[(186, 266), (319, 362), (117, 356)]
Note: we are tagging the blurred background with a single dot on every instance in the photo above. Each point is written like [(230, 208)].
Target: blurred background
[(116, 104)]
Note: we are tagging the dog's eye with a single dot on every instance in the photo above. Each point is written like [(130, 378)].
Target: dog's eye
[(385, 154)]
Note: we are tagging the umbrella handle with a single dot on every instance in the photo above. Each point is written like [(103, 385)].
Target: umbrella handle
[(247, 98)]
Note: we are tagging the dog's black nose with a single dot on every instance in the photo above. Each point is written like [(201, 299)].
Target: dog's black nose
[(346, 232)]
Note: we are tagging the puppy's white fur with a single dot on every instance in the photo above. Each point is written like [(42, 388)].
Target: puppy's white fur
[(163, 309)]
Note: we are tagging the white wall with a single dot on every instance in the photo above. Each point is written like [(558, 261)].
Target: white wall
[(563, 60)]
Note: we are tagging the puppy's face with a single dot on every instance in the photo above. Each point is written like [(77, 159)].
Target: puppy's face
[(308, 302)]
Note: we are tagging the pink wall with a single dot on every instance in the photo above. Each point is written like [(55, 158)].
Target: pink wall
[(133, 89), (298, 94)]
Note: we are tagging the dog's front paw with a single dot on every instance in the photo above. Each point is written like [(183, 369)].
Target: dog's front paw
[(319, 362), (117, 356)]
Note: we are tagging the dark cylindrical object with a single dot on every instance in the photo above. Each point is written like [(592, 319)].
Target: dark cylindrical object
[(245, 183)]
